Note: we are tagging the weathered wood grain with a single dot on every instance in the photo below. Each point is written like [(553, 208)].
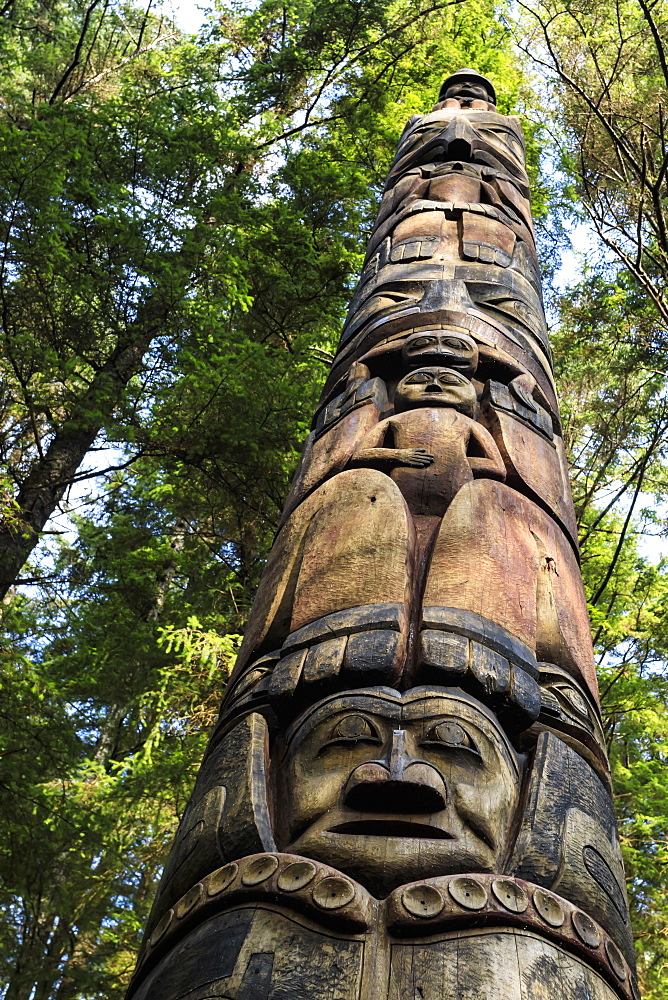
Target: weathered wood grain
[(407, 795)]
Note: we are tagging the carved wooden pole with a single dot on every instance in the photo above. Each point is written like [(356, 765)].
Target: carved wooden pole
[(407, 794)]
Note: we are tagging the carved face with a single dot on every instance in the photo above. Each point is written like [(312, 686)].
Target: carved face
[(451, 348), (485, 138), (467, 90), (435, 387), (392, 788)]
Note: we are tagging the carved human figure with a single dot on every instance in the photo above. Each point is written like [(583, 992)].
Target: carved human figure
[(456, 160), (424, 505), (467, 88), (391, 788), (432, 444)]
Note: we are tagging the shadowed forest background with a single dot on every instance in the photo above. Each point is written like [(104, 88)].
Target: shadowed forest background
[(183, 221)]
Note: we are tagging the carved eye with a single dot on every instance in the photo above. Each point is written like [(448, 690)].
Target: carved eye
[(574, 699), (514, 142), (452, 379), (450, 734), (423, 342), (385, 300), (500, 133), (521, 309), (354, 729), (457, 345), (418, 378)]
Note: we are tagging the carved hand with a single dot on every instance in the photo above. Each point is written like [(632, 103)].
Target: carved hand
[(419, 458)]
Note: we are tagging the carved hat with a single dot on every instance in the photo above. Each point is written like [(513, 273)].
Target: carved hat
[(468, 75)]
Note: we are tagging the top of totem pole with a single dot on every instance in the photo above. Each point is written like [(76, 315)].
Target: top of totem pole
[(473, 79)]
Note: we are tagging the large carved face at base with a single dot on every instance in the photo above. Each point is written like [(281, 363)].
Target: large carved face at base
[(392, 788)]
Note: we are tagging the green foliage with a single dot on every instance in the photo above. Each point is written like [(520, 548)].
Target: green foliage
[(103, 725), (609, 354), (185, 219)]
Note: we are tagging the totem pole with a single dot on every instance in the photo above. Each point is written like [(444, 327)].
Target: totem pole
[(407, 794)]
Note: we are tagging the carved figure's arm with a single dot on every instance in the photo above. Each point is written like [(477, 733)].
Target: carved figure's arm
[(371, 453), (483, 455)]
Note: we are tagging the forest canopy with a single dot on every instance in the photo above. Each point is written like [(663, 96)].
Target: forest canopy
[(183, 221)]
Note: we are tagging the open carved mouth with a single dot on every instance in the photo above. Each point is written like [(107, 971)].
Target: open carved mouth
[(391, 828)]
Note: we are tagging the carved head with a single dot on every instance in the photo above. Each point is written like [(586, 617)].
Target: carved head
[(467, 85), (493, 142), (390, 788), (451, 348), (436, 387)]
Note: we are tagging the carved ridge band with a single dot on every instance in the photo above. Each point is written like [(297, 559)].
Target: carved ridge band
[(415, 910)]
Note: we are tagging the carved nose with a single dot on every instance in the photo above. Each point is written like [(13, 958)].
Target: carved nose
[(449, 297), (458, 139), (434, 387), (401, 785)]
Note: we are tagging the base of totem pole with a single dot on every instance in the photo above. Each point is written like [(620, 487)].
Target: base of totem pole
[(281, 926)]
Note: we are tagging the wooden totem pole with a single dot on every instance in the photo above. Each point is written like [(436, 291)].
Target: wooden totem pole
[(407, 794)]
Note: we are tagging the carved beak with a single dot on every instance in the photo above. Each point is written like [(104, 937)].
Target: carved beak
[(458, 139)]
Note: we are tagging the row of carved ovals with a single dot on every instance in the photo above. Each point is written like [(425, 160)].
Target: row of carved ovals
[(416, 909), (307, 884), (440, 900), (329, 893)]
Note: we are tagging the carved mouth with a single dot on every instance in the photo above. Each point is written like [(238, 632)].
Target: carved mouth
[(391, 828)]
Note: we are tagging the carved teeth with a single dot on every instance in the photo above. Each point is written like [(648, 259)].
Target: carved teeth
[(423, 901)]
